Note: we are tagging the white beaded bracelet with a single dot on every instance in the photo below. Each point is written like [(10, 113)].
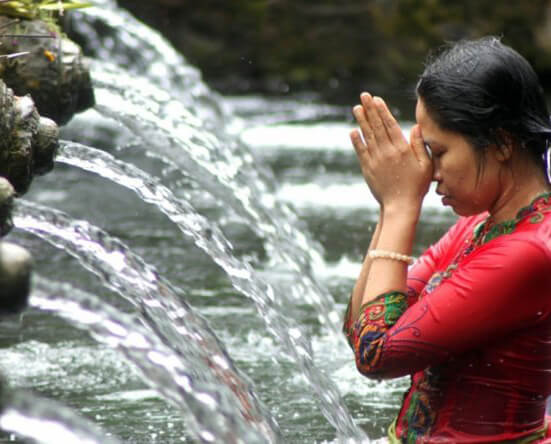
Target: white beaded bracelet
[(383, 254)]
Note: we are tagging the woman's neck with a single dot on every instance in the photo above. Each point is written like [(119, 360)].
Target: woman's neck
[(521, 188)]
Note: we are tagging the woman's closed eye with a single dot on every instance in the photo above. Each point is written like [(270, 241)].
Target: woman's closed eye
[(436, 153), (433, 153)]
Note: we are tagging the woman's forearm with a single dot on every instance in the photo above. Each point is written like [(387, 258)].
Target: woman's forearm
[(397, 234), (359, 287)]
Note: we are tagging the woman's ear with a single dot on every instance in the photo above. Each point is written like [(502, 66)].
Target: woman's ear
[(504, 149), (504, 153)]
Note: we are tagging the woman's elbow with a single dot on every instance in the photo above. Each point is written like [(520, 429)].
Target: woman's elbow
[(380, 368)]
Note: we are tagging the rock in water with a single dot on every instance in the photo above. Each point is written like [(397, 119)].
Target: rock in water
[(7, 194), (15, 278), (28, 142)]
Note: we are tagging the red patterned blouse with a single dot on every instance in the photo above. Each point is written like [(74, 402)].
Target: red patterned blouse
[(474, 333)]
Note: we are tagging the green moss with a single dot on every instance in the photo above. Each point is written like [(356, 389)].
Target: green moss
[(46, 10)]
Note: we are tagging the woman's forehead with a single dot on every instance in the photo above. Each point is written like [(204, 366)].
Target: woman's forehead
[(432, 133), (428, 126), (421, 114)]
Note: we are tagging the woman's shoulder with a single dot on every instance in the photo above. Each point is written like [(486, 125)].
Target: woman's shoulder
[(528, 239), (534, 221), (531, 226), (536, 228)]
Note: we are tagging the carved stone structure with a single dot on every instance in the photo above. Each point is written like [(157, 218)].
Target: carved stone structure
[(41, 73), (28, 142), (52, 71)]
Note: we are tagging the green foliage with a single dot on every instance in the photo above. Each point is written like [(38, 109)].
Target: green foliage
[(46, 10), (338, 47)]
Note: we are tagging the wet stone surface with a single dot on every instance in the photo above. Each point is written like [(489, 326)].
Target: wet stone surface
[(52, 71)]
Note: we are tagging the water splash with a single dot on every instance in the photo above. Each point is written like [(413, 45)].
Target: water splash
[(157, 301), (210, 419), (211, 240), (47, 422), (205, 233), (127, 42), (220, 173), (167, 79), (216, 151)]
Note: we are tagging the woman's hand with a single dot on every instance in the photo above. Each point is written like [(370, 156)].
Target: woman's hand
[(398, 173)]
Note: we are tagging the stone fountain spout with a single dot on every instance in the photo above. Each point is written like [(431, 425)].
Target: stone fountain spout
[(15, 278), (7, 194), (42, 73), (15, 261), (28, 143)]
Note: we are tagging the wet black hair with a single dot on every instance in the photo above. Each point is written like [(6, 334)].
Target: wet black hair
[(489, 93)]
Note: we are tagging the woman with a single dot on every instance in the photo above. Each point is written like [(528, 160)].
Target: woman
[(471, 320)]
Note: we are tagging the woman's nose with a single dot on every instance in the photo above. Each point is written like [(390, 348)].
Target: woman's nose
[(436, 175)]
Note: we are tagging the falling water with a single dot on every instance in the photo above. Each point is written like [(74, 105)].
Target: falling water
[(171, 376), (157, 301), (218, 171), (174, 136), (47, 422), (209, 238), (123, 40)]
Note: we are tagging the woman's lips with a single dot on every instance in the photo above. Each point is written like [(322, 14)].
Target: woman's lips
[(445, 198)]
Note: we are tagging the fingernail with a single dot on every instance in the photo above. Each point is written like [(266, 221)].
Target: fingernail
[(357, 108), (365, 95), (378, 100)]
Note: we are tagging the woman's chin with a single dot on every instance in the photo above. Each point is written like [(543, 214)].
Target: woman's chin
[(464, 212)]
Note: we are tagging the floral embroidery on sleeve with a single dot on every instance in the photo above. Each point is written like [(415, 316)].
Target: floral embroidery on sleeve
[(366, 336)]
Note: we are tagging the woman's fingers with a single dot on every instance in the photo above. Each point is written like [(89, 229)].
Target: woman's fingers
[(362, 153), (374, 119), (382, 149), (357, 142), (418, 144), (365, 128), (393, 130)]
